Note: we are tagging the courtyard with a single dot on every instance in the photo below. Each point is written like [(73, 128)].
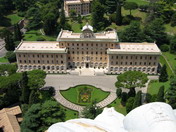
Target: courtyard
[(64, 82)]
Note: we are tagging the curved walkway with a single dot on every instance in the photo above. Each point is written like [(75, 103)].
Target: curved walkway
[(112, 96)]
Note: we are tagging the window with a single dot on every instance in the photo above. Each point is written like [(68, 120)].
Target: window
[(111, 57), (150, 58), (116, 57), (33, 55), (19, 55), (24, 61), (47, 56), (131, 63), (121, 57), (38, 56), (38, 61), (42, 56), (51, 56), (24, 55), (61, 62), (62, 56), (33, 61), (48, 61), (141, 57), (126, 57), (29, 61), (20, 61)]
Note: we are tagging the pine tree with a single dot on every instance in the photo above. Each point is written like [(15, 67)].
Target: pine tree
[(137, 100), (9, 43), (17, 33), (79, 18), (132, 92), (132, 33), (163, 74), (111, 6), (129, 104), (8, 37), (173, 44), (97, 15), (34, 97), (171, 93), (62, 18), (160, 95), (118, 14), (25, 88)]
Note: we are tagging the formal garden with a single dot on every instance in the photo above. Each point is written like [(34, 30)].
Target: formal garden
[(84, 94)]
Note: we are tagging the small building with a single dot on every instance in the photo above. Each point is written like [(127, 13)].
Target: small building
[(81, 7), (88, 50), (10, 118)]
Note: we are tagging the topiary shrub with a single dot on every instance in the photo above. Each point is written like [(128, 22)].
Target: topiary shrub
[(119, 92)]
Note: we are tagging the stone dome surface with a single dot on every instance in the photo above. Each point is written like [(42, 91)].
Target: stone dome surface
[(87, 27), (152, 117)]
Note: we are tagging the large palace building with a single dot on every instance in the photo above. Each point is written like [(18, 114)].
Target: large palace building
[(81, 7), (88, 50)]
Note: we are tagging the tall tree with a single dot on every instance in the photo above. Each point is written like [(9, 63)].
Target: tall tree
[(173, 20), (62, 17), (25, 89), (130, 6), (132, 33), (40, 116), (155, 31), (129, 104), (49, 25), (91, 111), (118, 14), (160, 95), (97, 15), (163, 74), (171, 93), (137, 100), (173, 44), (17, 33), (8, 37), (131, 80)]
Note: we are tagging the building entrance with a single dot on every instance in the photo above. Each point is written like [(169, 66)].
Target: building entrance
[(87, 65)]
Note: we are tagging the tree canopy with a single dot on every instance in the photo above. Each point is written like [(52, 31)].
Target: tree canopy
[(131, 79), (40, 116)]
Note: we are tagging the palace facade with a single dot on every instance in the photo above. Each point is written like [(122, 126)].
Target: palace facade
[(81, 7), (87, 50)]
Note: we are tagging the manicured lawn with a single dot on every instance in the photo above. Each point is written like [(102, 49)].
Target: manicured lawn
[(3, 60), (77, 27), (14, 18), (154, 86), (34, 35), (135, 13), (170, 29), (118, 107), (163, 61), (171, 58), (72, 94), (70, 114), (139, 2)]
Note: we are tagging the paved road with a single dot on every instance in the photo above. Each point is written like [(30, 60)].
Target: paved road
[(106, 83), (2, 48), (63, 82)]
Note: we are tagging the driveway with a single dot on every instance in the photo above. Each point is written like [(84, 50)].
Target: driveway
[(2, 48), (63, 82)]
